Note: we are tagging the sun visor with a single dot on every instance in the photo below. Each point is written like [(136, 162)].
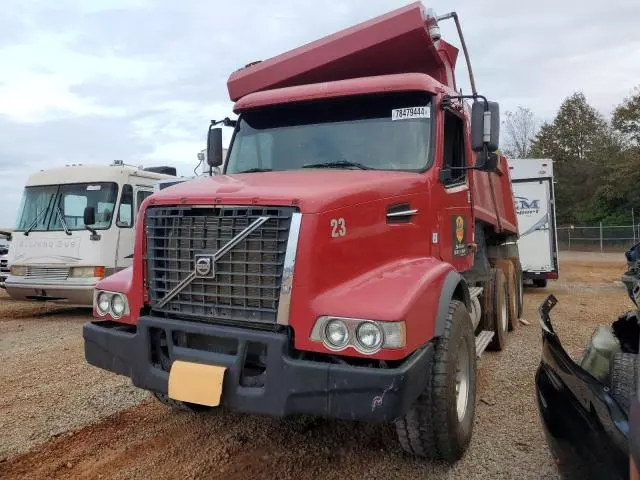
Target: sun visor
[(397, 42)]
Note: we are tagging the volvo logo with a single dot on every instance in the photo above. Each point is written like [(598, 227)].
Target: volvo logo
[(204, 266)]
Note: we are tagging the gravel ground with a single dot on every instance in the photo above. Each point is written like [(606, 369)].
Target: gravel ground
[(47, 388), (149, 440)]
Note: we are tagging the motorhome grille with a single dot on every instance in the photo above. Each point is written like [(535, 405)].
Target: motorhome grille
[(48, 273), (4, 265), (246, 285)]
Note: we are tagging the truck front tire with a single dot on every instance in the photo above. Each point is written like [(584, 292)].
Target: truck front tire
[(439, 424), (178, 405)]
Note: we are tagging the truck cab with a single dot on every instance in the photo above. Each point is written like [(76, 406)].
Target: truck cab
[(354, 257), (57, 254)]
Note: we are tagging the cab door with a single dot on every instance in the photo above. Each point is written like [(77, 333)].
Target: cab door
[(125, 224), (141, 192), (453, 195), (130, 201)]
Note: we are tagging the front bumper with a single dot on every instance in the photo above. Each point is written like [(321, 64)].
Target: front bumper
[(584, 427), (286, 385), (74, 292)]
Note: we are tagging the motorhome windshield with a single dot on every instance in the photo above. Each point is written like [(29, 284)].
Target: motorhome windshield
[(52, 207), (382, 132)]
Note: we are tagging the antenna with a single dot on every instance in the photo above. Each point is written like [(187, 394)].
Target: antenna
[(434, 31)]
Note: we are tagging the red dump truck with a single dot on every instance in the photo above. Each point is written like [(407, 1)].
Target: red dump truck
[(352, 260)]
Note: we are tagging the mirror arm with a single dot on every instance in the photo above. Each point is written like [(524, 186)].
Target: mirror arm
[(478, 167), (94, 233), (227, 122), (447, 100)]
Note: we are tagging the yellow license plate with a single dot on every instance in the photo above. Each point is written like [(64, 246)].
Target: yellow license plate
[(196, 383)]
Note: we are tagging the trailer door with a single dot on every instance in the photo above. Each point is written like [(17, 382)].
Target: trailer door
[(536, 242)]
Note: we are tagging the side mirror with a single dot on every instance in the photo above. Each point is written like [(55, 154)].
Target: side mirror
[(89, 216), (214, 147), (485, 126), (486, 162)]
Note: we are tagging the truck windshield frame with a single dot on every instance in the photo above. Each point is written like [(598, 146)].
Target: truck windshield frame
[(40, 202), (357, 132)]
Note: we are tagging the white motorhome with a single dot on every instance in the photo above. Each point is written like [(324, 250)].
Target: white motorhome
[(53, 254), (533, 192), (5, 242)]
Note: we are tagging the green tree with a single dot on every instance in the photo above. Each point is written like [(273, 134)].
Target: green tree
[(580, 143), (626, 118)]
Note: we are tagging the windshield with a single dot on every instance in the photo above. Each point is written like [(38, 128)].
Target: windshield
[(45, 208), (382, 132)]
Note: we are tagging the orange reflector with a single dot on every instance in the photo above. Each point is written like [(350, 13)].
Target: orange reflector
[(98, 272)]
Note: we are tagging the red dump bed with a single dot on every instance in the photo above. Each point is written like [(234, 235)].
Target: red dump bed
[(397, 42), (493, 198)]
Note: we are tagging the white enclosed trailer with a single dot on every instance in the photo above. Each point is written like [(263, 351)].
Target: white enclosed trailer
[(54, 255), (533, 193)]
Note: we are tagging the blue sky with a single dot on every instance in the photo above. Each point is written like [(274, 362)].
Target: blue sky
[(138, 80)]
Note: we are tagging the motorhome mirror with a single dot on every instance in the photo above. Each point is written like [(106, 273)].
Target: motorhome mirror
[(89, 216)]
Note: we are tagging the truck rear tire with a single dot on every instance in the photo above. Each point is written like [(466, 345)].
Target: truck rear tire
[(520, 287), (439, 424), (512, 292), (497, 313), (624, 378)]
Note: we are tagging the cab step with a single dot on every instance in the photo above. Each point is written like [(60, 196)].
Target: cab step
[(482, 341)]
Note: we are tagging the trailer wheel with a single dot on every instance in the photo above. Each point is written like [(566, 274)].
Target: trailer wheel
[(624, 378), (540, 282), (439, 424), (496, 318), (512, 292)]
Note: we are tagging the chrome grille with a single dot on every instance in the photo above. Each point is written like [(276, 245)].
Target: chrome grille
[(247, 281), (4, 265), (47, 273)]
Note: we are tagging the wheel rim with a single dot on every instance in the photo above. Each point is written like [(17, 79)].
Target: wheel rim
[(462, 379), (503, 319)]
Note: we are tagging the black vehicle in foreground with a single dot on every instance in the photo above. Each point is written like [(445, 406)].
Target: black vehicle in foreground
[(589, 408)]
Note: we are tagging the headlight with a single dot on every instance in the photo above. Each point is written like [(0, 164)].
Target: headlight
[(104, 302), (112, 303), (336, 333), (369, 336), (118, 305), (365, 336), (87, 272), (18, 270)]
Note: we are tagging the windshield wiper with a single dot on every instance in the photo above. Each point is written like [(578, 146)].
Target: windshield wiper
[(62, 220), (338, 164), (35, 222), (254, 170)]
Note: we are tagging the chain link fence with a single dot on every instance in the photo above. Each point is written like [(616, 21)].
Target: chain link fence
[(598, 238)]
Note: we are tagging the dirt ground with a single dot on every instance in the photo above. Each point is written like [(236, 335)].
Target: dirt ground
[(60, 418)]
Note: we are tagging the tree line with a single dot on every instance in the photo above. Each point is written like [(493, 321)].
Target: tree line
[(596, 160)]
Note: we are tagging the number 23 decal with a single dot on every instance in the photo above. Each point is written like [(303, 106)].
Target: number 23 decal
[(338, 227)]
